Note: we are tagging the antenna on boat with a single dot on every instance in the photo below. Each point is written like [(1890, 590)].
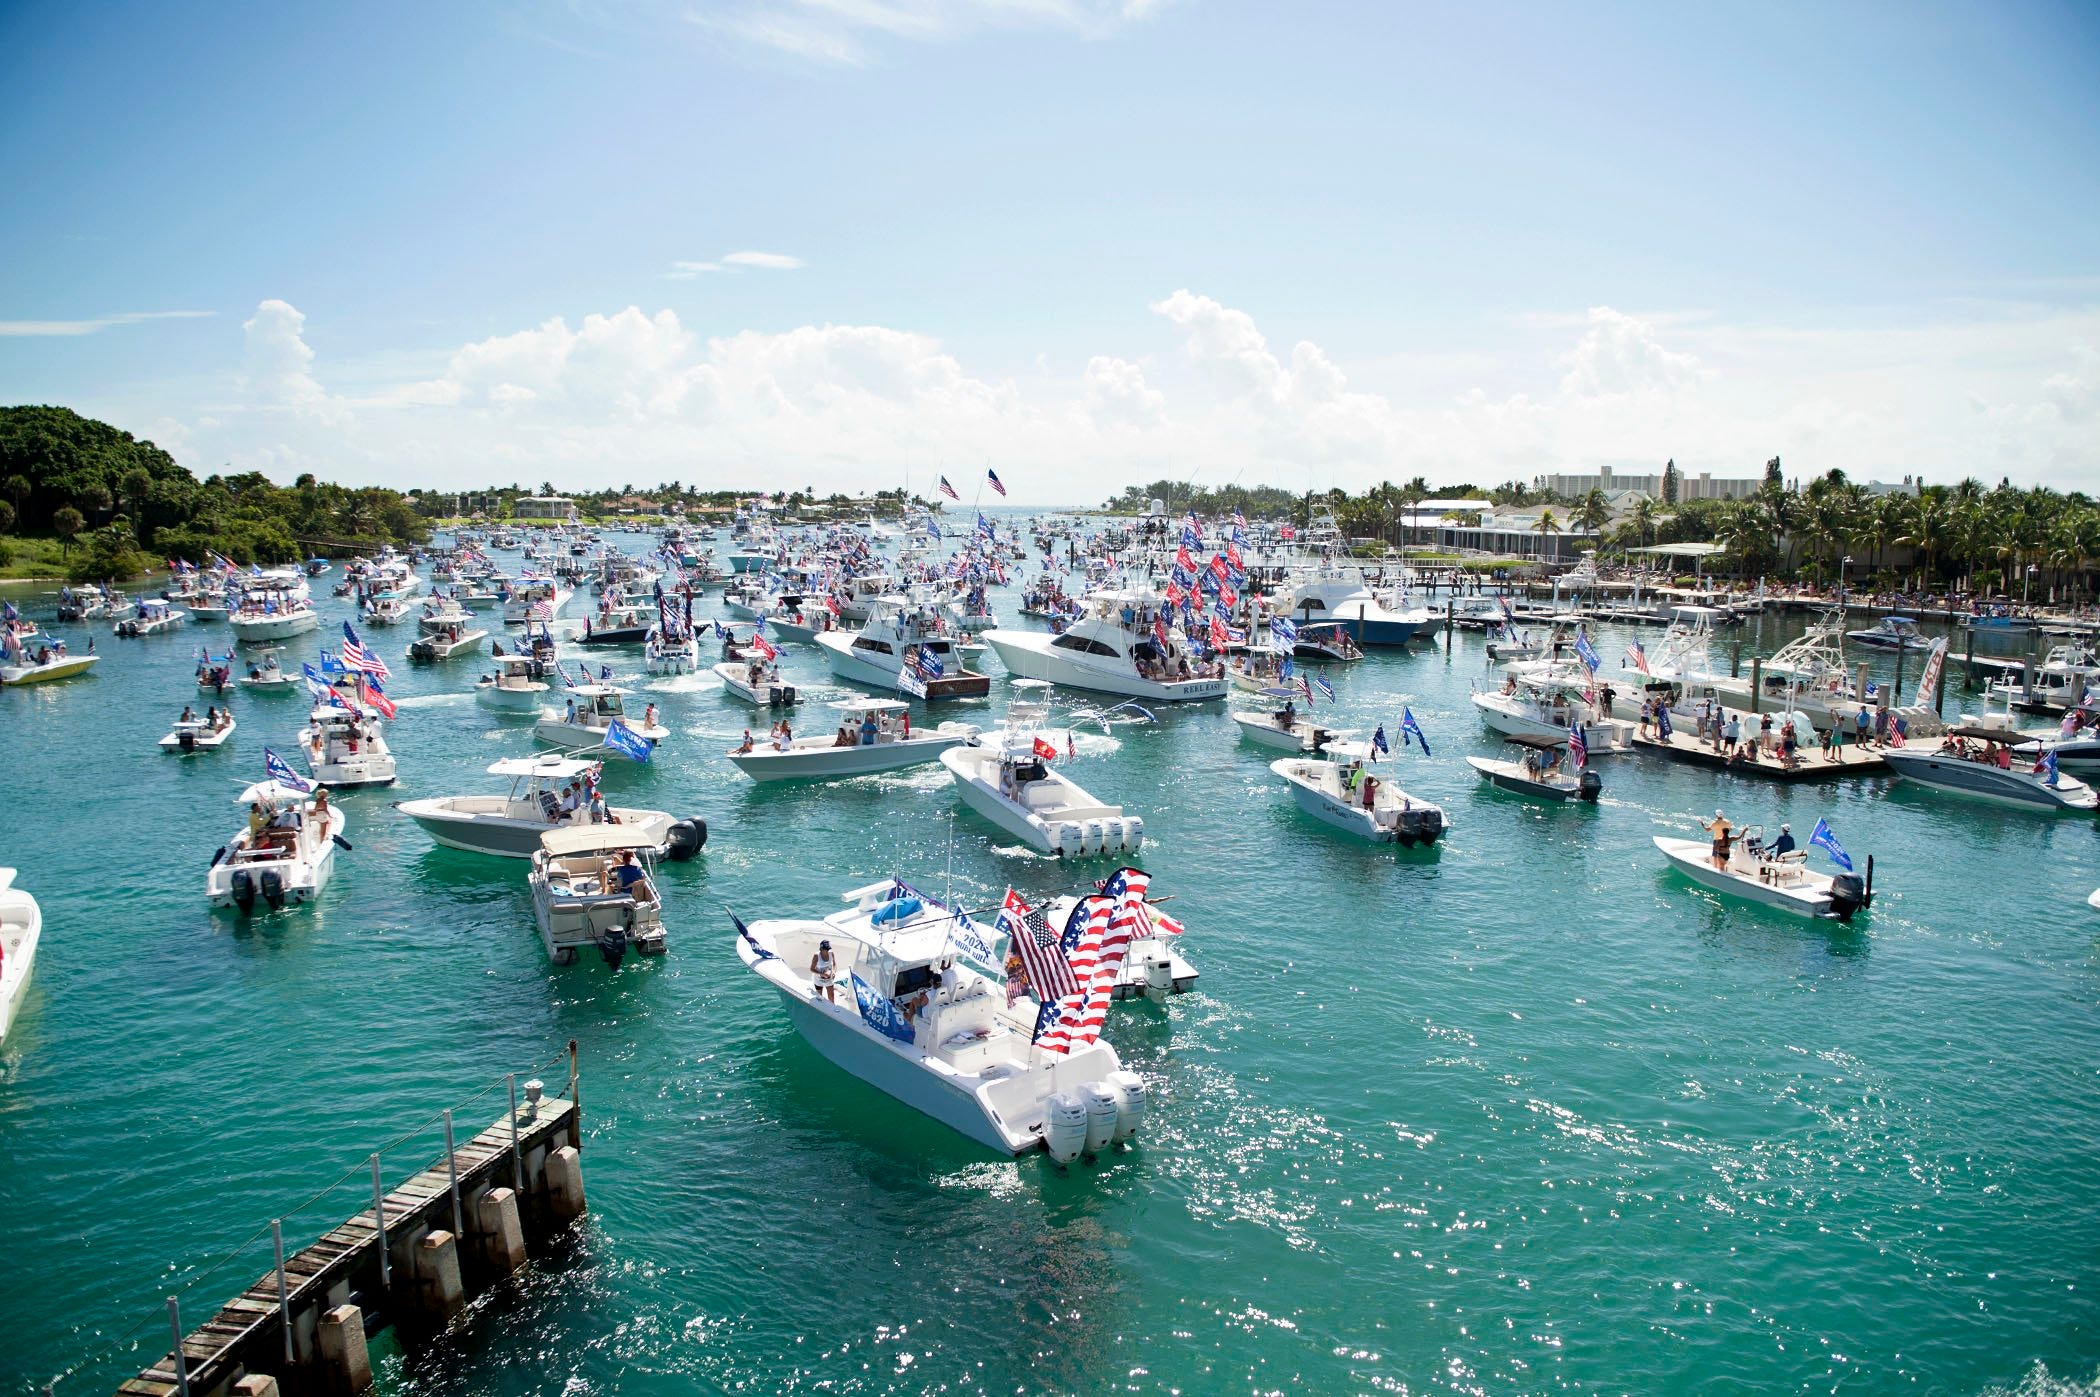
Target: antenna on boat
[(948, 893)]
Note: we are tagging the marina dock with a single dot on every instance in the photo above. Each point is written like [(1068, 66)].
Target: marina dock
[(1810, 764), (412, 1261)]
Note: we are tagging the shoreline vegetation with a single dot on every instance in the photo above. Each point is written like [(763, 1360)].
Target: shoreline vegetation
[(86, 501)]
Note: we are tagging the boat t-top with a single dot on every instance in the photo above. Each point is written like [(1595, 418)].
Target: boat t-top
[(872, 735), (1339, 787), (266, 675), (345, 748), (546, 793), (886, 991), (283, 855)]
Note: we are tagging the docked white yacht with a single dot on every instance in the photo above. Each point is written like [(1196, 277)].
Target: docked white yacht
[(897, 630), (345, 749), (590, 710), (1332, 595), (1339, 788), (592, 889), (944, 1042), (1008, 780), (509, 825), (21, 927), (1784, 881), (1114, 648), (515, 687), (287, 860)]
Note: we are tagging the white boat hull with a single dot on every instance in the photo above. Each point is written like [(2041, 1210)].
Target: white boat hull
[(1945, 772), (532, 700), (1694, 859), (1085, 830), (253, 630), (827, 763), (1028, 654), (21, 927)]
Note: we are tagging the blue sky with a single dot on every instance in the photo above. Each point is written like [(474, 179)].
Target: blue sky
[(1084, 240)]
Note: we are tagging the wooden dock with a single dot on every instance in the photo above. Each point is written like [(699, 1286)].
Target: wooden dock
[(1811, 764), (447, 1233)]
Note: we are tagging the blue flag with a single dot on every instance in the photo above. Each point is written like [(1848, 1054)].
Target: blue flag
[(1586, 651), (1823, 839), (280, 771), (929, 663), (1378, 742), (2049, 775), (1320, 683), (1409, 728), (745, 933), (1662, 721), (881, 1014), (627, 742), (1284, 632)]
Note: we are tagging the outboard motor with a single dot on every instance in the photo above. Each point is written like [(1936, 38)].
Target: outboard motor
[(187, 739), (1130, 1100), (273, 888), (1589, 786), (1101, 1114), (1407, 829), (1159, 972), (1848, 893), (243, 888), (1064, 1126), (685, 838), (787, 693), (613, 946)]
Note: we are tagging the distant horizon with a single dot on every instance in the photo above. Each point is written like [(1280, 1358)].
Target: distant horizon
[(1331, 245)]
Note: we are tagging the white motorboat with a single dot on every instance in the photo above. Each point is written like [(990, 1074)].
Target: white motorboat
[(898, 632), (21, 927), (208, 606), (1330, 596), (284, 854), (272, 613), (756, 681), (41, 666), (533, 599), (1119, 646), (1281, 725), (873, 735), (510, 825), (621, 624), (386, 611), (1339, 788), (1547, 704), (1008, 780), (194, 734), (592, 888), (266, 675), (1891, 633), (1541, 774), (673, 652), (1979, 761), (1153, 966), (345, 748), (429, 648), (590, 711), (2064, 678), (945, 1043), (152, 617), (1755, 874), (515, 687), (1809, 674)]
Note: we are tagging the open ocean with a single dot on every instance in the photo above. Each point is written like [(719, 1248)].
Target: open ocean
[(1528, 1113)]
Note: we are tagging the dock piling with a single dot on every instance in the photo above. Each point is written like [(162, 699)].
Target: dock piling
[(343, 1350), (181, 1365), (386, 1279), (565, 1183), (256, 1385), (284, 1294), (452, 1174), (437, 1268), (502, 1231)]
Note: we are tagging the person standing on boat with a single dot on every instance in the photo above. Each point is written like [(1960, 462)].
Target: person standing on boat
[(824, 972), (1723, 833)]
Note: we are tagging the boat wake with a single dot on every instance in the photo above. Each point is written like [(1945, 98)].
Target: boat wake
[(434, 701)]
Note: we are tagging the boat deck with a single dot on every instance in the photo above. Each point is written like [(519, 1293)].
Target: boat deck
[(1811, 765)]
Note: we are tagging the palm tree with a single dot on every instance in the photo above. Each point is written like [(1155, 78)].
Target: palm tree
[(1643, 519), (1547, 525), (1593, 513), (67, 522)]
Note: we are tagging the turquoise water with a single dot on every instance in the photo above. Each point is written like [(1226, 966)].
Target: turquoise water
[(1527, 1113)]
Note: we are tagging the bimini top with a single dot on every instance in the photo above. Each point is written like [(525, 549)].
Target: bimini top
[(870, 705), (1277, 691), (599, 839), (553, 768), (1030, 685), (269, 793), (1343, 751)]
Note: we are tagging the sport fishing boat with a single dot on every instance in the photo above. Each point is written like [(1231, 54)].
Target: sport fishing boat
[(623, 624), (515, 687), (152, 617), (276, 612), (1546, 704), (1756, 874), (2062, 680), (674, 651), (510, 825), (1891, 633), (345, 749), (266, 675), (21, 927), (873, 735), (1338, 788), (1978, 761), (1809, 674), (1008, 780), (288, 860), (1280, 724), (591, 711), (194, 734), (756, 680), (1541, 774), (897, 631), (1330, 596), (1120, 645), (592, 889), (943, 1041)]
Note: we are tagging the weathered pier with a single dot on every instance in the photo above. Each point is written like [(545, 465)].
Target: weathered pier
[(1810, 764), (412, 1261)]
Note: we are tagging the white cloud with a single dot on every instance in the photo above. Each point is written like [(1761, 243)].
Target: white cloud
[(104, 322), (649, 396), (842, 32), (770, 261)]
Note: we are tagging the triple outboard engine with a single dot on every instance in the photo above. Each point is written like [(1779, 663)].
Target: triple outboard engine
[(243, 889), (1589, 785), (273, 888), (685, 839)]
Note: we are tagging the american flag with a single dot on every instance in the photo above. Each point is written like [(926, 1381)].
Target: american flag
[(1113, 918), (1577, 747), (949, 490), (993, 477), (356, 657), (1049, 973), (1635, 653), (542, 610)]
